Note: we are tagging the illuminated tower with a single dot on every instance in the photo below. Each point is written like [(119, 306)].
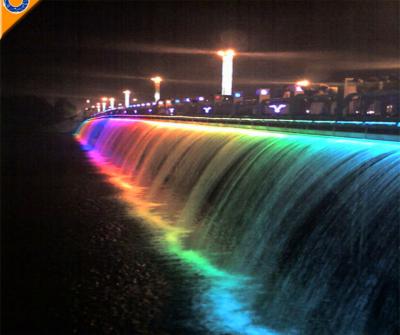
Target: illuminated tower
[(112, 103), (157, 85), (127, 94), (227, 70)]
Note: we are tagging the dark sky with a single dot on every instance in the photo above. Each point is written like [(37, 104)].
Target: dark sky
[(86, 49)]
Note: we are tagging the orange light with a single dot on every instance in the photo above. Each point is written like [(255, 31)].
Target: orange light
[(157, 79), (303, 83)]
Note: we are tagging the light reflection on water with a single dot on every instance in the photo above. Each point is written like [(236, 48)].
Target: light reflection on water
[(224, 299)]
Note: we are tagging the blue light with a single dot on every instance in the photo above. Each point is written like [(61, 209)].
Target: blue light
[(177, 101), (237, 95)]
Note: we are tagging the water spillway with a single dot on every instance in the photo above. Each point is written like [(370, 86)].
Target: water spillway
[(293, 234)]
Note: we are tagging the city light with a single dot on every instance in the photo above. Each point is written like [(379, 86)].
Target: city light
[(112, 103), (127, 93), (200, 98), (227, 71), (303, 83), (104, 103), (277, 108), (207, 109), (157, 87), (237, 95), (88, 101)]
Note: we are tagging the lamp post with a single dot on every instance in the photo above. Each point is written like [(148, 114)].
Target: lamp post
[(104, 103), (127, 93), (112, 103), (157, 85), (227, 71)]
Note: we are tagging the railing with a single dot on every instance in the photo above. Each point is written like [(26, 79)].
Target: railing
[(389, 129)]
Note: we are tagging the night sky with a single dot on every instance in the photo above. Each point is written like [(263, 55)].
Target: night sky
[(86, 49)]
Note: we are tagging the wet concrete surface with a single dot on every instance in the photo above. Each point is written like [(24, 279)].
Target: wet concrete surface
[(73, 262)]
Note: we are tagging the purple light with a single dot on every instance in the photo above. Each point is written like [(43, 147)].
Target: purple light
[(207, 109), (277, 108)]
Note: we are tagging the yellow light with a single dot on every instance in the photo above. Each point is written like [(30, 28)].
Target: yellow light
[(157, 79), (104, 99), (303, 83), (229, 52)]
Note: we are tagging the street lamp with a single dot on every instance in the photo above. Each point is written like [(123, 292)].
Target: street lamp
[(112, 103), (127, 93), (157, 83), (104, 103), (303, 83), (227, 70)]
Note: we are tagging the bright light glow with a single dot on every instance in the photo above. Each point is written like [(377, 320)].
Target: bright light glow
[(104, 105), (227, 71), (127, 93), (160, 102), (187, 99), (177, 101), (112, 103), (277, 108), (87, 101), (148, 104), (207, 109), (104, 99), (143, 104), (157, 86), (303, 83), (237, 95), (157, 79), (200, 98), (264, 92), (134, 99)]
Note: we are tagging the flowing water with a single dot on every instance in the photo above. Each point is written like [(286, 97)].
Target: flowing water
[(290, 234)]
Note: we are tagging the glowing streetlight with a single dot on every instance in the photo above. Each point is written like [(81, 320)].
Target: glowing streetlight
[(98, 107), (227, 70), (112, 103), (157, 84), (303, 83), (104, 103), (127, 93)]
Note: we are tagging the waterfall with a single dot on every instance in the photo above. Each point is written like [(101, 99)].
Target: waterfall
[(310, 223)]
